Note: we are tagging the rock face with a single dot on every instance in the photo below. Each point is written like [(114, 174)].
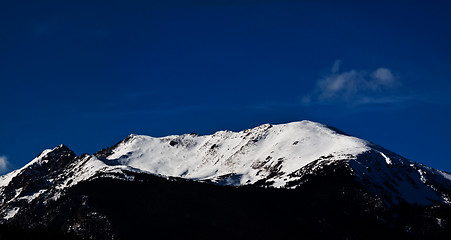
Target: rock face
[(269, 182)]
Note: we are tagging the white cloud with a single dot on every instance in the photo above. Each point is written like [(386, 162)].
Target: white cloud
[(4, 164), (336, 66), (384, 77), (355, 87)]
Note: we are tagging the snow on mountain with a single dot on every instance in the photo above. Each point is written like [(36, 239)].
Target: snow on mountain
[(49, 175), (245, 156), (275, 155)]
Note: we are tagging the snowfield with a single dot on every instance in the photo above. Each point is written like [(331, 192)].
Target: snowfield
[(250, 154)]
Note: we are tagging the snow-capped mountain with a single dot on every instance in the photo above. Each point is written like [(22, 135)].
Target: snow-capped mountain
[(286, 156)]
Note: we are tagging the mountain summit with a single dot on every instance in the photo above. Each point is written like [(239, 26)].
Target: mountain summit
[(57, 191)]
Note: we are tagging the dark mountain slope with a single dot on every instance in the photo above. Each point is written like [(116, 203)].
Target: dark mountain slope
[(330, 205)]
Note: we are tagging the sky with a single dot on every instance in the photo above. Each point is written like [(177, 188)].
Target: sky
[(88, 73)]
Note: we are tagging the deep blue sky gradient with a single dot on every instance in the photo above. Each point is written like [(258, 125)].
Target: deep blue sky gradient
[(88, 73)]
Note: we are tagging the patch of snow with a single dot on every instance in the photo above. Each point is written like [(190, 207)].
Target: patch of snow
[(10, 213), (387, 159), (400, 180), (439, 222), (38, 159), (446, 199), (5, 179), (422, 174), (445, 175), (18, 191), (31, 197)]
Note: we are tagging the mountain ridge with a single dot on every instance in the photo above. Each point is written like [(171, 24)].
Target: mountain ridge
[(236, 158), (293, 156)]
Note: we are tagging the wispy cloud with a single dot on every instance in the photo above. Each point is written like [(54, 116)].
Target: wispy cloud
[(354, 87), (4, 164)]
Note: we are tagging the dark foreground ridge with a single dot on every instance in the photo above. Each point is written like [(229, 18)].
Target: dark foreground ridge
[(328, 206)]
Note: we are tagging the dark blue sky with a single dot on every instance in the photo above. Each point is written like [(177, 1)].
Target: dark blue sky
[(88, 74)]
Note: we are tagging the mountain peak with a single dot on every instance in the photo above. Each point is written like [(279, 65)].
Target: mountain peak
[(47, 160), (62, 147)]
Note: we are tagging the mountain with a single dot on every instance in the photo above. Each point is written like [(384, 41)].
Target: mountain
[(271, 181)]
